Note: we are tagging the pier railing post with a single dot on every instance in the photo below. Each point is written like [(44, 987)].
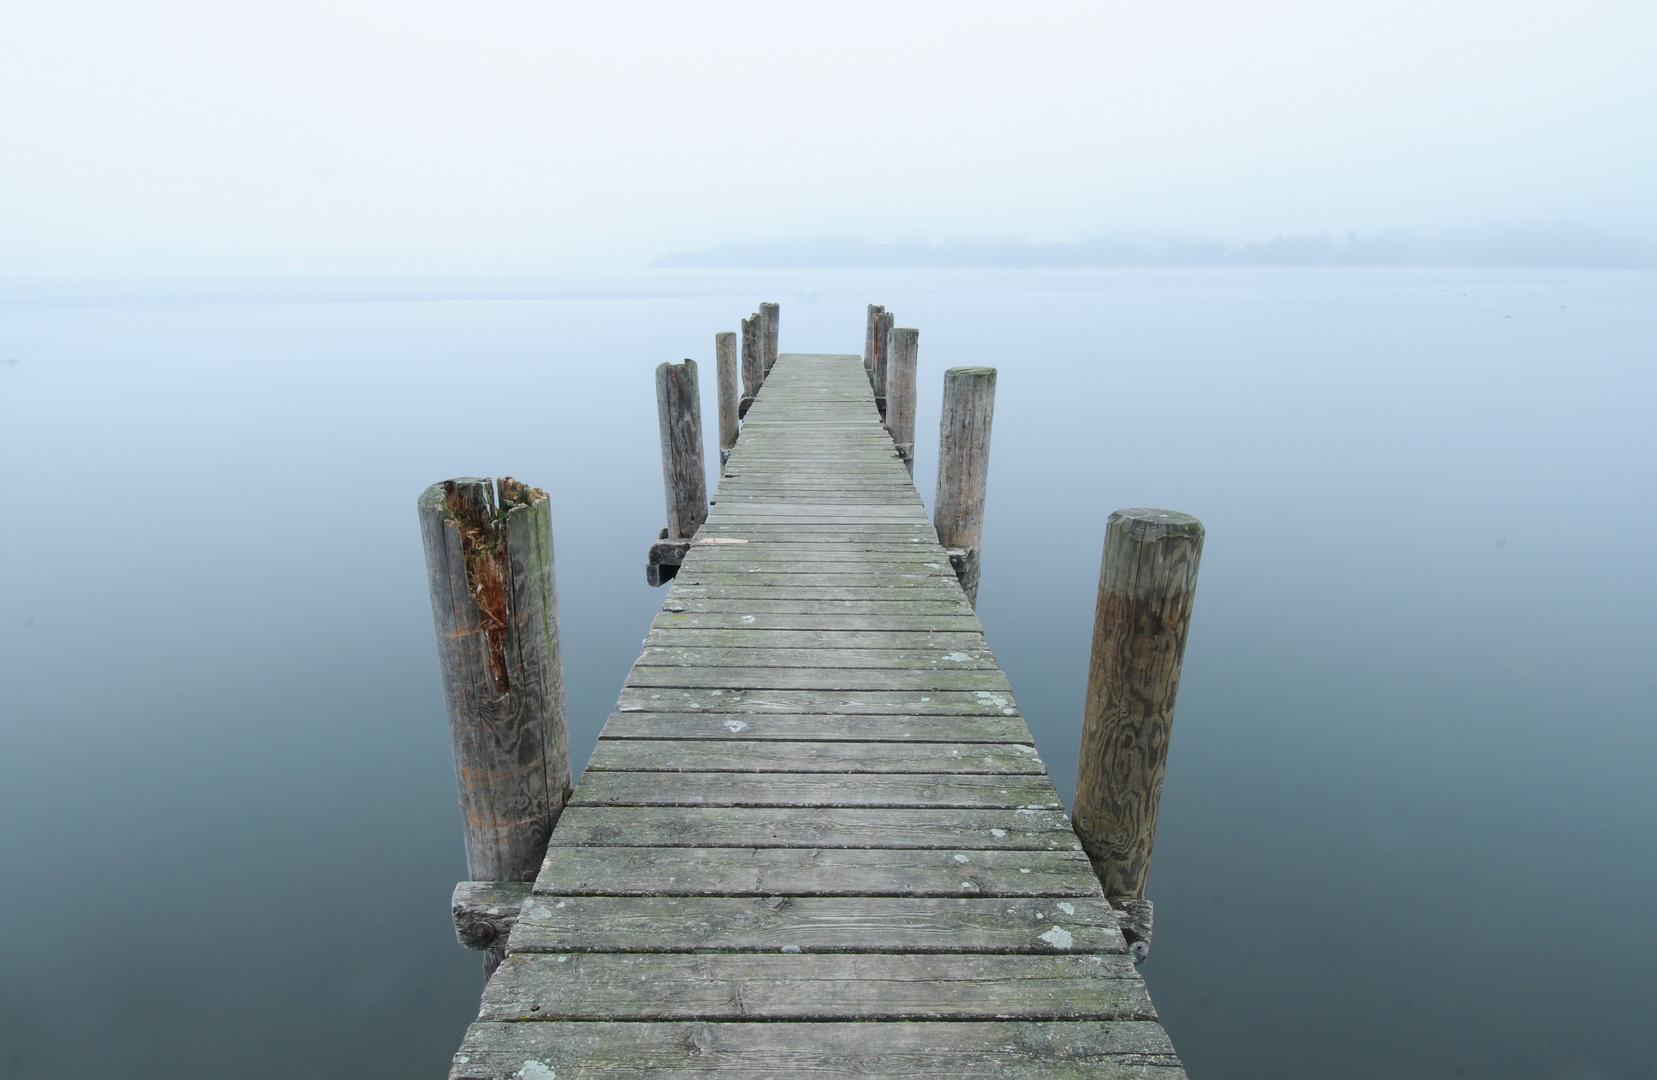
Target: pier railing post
[(753, 363), (883, 337), (768, 316), (494, 599), (870, 330), (684, 473), (725, 363), (963, 469), (903, 352), (1147, 582)]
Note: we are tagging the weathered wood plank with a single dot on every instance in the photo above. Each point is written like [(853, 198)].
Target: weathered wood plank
[(1065, 1050), (920, 659), (822, 620), (812, 924), (820, 726), (874, 702), (748, 637), (735, 756), (827, 790), (815, 986), (826, 676), (757, 827)]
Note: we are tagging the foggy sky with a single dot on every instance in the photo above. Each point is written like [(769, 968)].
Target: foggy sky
[(515, 136)]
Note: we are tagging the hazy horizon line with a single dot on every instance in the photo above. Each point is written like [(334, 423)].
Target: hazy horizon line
[(1552, 245)]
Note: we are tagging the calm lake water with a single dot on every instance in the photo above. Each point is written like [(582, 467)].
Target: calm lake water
[(1410, 822)]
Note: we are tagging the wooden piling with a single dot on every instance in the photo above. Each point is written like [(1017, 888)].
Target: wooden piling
[(883, 336), (1147, 581), (725, 362), (684, 475), (753, 363), (902, 353), (489, 565), (870, 330), (768, 315), (963, 469)]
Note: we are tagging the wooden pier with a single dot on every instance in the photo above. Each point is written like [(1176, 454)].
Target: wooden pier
[(816, 838)]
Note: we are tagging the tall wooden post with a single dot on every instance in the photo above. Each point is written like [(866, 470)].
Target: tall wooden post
[(768, 314), (883, 337), (684, 475), (870, 330), (902, 354), (964, 469), (753, 363), (724, 351), (494, 601), (1147, 582)]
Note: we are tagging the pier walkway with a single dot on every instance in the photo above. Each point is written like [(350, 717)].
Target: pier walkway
[(815, 839)]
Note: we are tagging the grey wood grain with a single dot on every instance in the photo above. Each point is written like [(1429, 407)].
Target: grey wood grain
[(917, 1050), (753, 362), (814, 986), (813, 827), (730, 389), (963, 467), (769, 321), (684, 477), (873, 702), (489, 563), (798, 727), (943, 790), (1147, 583), (703, 756), (902, 358), (816, 924)]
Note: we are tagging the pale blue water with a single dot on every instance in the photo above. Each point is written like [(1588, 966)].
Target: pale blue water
[(1410, 824)]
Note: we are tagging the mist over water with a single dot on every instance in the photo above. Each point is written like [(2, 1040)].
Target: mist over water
[(1410, 821)]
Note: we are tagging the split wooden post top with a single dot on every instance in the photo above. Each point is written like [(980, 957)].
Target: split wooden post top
[(724, 349), (902, 355), (1147, 582), (684, 474), (495, 606), (768, 316), (753, 362), (964, 469)]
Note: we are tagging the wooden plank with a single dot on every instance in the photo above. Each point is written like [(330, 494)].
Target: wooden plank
[(757, 827), (824, 620), (748, 637), (738, 756), (827, 790), (843, 603), (1068, 1050), (814, 986), (710, 871), (820, 677), (873, 702), (932, 659), (952, 729), (813, 924)]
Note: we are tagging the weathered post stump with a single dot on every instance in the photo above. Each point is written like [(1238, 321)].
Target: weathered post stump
[(964, 469), (725, 363), (768, 316), (883, 338), (903, 351), (684, 474), (489, 565), (753, 363), (870, 330), (1147, 582)]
